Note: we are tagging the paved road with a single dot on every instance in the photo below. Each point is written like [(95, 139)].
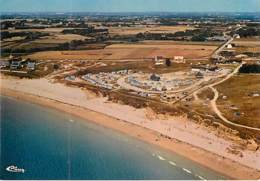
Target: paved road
[(216, 53)]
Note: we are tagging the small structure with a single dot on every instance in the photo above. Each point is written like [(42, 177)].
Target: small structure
[(179, 59), (70, 78), (199, 75), (164, 88), (154, 77), (241, 56), (159, 60), (16, 64), (254, 94), (237, 36), (31, 66), (11, 57), (197, 68), (229, 46), (4, 64), (143, 94), (217, 38)]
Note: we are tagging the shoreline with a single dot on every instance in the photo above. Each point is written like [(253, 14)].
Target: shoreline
[(196, 154)]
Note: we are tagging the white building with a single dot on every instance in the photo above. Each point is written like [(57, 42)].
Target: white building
[(159, 60), (229, 46), (237, 36), (195, 70), (178, 58)]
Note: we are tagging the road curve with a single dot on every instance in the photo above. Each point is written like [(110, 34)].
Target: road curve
[(217, 111), (213, 102)]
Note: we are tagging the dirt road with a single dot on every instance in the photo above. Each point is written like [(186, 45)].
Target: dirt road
[(213, 102)]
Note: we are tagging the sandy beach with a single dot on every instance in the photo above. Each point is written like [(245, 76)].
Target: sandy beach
[(194, 141)]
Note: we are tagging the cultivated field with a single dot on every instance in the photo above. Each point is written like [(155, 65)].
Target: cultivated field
[(151, 29), (132, 52), (52, 40), (55, 38), (247, 45), (247, 49), (250, 42), (47, 30), (60, 38), (240, 106)]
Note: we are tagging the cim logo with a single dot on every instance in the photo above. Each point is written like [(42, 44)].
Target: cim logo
[(15, 169)]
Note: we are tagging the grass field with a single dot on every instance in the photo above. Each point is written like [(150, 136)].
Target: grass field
[(206, 94), (240, 106), (132, 52)]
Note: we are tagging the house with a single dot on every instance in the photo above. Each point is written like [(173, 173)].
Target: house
[(199, 75), (16, 64), (195, 69), (256, 95), (229, 46), (198, 68), (237, 36), (179, 59), (70, 78), (159, 63), (217, 38), (4, 64), (159, 60), (241, 56), (31, 66)]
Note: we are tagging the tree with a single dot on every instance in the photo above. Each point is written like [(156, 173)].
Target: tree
[(198, 38), (56, 66), (168, 62)]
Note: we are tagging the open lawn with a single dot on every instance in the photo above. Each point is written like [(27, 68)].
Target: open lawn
[(240, 106)]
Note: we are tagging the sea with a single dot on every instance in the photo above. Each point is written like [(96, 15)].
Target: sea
[(45, 144)]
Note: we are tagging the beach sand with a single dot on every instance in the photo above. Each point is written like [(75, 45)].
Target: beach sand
[(188, 139)]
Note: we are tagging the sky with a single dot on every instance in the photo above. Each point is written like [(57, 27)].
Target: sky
[(130, 5)]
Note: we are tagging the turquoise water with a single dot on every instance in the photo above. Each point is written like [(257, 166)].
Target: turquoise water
[(49, 146)]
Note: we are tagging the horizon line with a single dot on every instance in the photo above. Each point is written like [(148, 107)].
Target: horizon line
[(1, 12)]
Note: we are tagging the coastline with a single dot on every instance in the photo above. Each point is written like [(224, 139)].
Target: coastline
[(199, 155)]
